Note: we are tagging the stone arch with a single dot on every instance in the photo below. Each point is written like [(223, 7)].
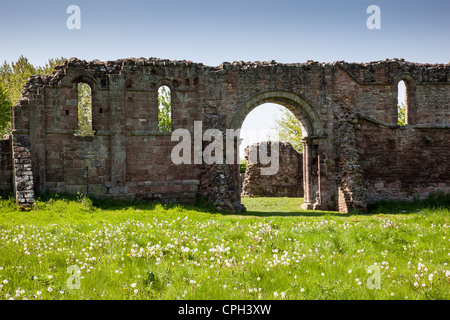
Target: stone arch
[(312, 128), (171, 84), (170, 110), (165, 82), (411, 105), (310, 121), (86, 79), (92, 84)]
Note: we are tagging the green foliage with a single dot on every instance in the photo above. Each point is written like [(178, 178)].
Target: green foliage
[(50, 66), (242, 166), (5, 112), (165, 109), (289, 130), (401, 114), (84, 110), (12, 78)]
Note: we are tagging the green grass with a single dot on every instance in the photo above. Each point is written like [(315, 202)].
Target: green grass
[(274, 251)]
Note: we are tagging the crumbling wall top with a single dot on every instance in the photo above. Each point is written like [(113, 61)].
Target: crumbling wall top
[(364, 73)]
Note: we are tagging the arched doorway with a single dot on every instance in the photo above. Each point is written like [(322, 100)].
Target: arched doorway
[(312, 129), (271, 127)]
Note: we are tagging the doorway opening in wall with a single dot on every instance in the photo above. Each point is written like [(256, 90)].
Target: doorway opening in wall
[(282, 191)]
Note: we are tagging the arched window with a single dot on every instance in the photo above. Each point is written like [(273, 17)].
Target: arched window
[(401, 103), (164, 109), (84, 110)]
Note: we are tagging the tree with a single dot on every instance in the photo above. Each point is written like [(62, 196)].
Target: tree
[(50, 66), (165, 109), (289, 130), (5, 113), (242, 165), (84, 110), (401, 114), (12, 78)]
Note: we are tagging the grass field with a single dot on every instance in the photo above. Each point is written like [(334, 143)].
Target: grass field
[(119, 250)]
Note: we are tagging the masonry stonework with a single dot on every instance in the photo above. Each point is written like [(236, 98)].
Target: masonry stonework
[(353, 150), (286, 182)]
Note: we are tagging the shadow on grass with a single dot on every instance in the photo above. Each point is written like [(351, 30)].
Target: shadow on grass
[(438, 200), (119, 205), (300, 213), (434, 201)]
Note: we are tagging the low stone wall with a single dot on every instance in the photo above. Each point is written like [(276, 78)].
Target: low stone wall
[(287, 182)]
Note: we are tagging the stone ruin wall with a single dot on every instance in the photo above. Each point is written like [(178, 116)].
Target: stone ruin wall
[(402, 164), (353, 150), (287, 182), (6, 169)]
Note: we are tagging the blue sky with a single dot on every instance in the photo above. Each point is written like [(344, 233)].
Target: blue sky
[(215, 31)]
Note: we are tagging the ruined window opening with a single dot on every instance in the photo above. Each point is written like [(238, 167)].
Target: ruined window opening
[(84, 110), (402, 107), (164, 109)]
